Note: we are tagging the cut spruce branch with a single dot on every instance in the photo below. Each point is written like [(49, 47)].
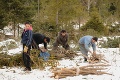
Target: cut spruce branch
[(97, 69)]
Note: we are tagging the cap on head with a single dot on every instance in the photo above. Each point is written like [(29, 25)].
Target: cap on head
[(95, 38)]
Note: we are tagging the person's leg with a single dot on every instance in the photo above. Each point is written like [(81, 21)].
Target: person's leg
[(28, 64), (83, 51), (47, 55), (24, 56), (24, 59)]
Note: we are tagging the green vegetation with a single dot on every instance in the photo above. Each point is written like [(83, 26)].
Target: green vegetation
[(61, 14), (48, 17), (36, 62), (7, 45), (10, 61), (111, 43)]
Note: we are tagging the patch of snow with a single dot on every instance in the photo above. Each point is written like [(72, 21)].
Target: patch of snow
[(7, 33), (22, 26), (111, 54), (15, 51)]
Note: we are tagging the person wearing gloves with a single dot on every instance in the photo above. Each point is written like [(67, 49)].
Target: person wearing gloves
[(44, 54), (26, 41), (62, 39), (40, 39), (85, 42)]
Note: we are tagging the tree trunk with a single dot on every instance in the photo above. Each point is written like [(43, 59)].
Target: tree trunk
[(14, 28), (18, 30)]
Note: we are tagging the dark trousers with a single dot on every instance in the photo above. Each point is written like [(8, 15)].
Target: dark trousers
[(26, 57)]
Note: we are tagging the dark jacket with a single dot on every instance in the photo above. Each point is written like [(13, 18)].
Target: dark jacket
[(27, 37), (39, 39), (62, 39)]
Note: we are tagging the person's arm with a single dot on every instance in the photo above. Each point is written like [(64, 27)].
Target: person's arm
[(45, 45), (94, 49), (66, 38)]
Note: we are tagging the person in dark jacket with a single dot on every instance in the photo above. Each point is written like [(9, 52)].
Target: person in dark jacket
[(62, 39), (26, 41), (41, 39)]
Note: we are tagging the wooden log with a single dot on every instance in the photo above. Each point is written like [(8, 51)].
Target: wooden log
[(101, 72), (67, 74), (59, 77), (68, 70), (56, 72), (94, 69)]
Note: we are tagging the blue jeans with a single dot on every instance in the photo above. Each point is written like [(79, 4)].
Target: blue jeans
[(44, 55), (83, 50)]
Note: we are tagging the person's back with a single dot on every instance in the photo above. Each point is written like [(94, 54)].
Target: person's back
[(41, 39), (85, 39), (38, 38)]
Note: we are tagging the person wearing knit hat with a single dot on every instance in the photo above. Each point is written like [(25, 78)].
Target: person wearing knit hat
[(85, 42)]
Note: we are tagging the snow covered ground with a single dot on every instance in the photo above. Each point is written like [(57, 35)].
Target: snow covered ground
[(111, 54)]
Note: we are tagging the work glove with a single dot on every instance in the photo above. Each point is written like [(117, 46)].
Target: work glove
[(25, 49)]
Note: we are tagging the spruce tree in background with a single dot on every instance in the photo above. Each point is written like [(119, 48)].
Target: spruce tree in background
[(95, 23), (16, 11)]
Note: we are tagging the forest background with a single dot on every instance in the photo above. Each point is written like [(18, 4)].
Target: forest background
[(90, 17)]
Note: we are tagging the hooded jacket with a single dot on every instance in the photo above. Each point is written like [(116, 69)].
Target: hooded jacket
[(27, 37)]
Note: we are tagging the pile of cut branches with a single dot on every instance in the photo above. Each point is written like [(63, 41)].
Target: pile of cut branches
[(38, 62), (97, 58), (62, 53), (97, 69)]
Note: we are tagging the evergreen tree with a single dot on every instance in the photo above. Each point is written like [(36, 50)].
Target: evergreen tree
[(17, 11), (95, 23)]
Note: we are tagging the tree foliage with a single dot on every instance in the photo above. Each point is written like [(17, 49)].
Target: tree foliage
[(16, 11), (95, 22), (111, 43), (58, 13)]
